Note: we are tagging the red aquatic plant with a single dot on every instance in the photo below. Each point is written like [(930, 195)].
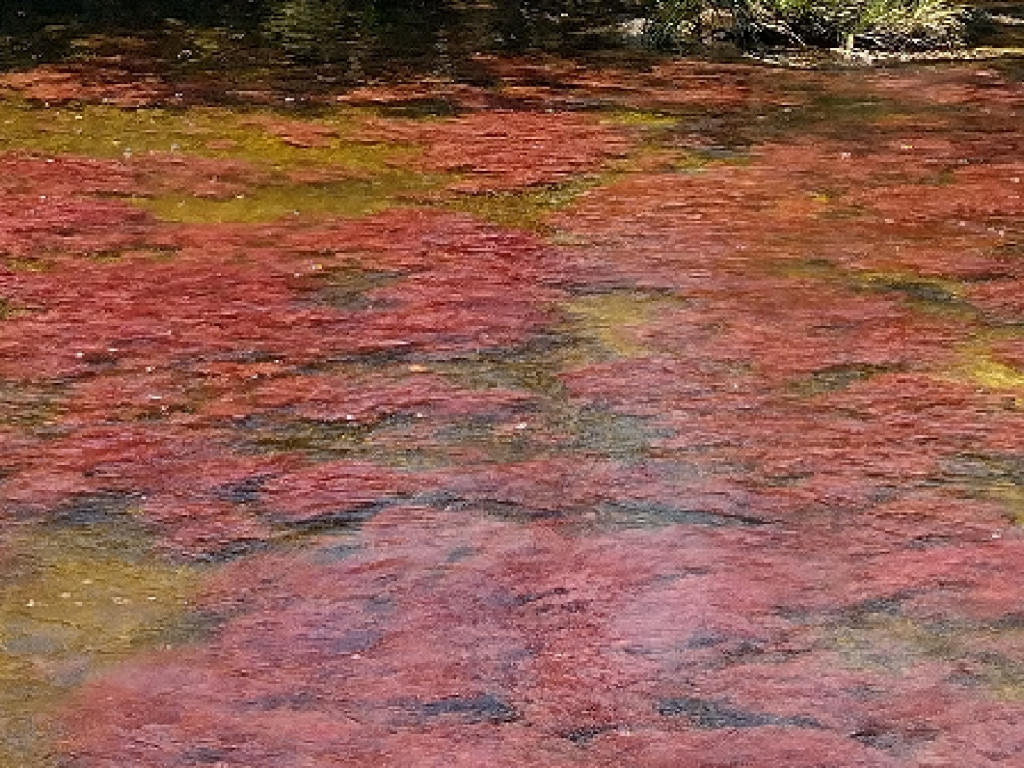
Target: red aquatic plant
[(461, 524), (631, 644), (107, 80), (500, 150)]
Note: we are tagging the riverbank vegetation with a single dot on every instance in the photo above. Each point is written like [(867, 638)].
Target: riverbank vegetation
[(343, 31), (877, 24)]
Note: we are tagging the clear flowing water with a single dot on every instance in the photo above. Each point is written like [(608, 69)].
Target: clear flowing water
[(614, 413)]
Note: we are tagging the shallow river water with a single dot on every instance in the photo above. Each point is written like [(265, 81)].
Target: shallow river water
[(644, 414)]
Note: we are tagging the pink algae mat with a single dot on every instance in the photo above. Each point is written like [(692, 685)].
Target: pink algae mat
[(711, 457)]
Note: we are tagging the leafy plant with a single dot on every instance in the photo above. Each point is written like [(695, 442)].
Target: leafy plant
[(887, 24), (917, 24)]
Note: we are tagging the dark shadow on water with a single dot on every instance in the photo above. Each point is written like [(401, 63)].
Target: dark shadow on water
[(709, 714), (485, 708), (361, 38)]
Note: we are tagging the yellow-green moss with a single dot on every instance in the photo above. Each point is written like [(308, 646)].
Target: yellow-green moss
[(977, 365), (638, 117), (614, 319), (892, 643), (26, 264), (107, 131), (373, 181), (74, 599), (28, 405), (915, 287), (933, 295), (1012, 498), (268, 202), (834, 378), (523, 208), (992, 374)]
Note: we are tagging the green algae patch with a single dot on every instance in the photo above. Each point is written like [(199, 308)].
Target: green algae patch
[(28, 406), (319, 440), (84, 598), (836, 378), (275, 201), (925, 293), (992, 374), (932, 295), (1011, 496), (346, 286), (528, 208), (659, 147), (978, 365), (530, 370), (642, 119), (23, 704), (614, 320), (984, 651), (258, 137), (534, 367), (256, 165), (918, 289), (818, 112), (75, 598), (995, 477)]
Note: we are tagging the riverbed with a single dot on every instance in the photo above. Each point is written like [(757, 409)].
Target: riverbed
[(549, 412)]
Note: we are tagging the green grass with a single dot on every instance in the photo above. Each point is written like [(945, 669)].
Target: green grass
[(877, 24)]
